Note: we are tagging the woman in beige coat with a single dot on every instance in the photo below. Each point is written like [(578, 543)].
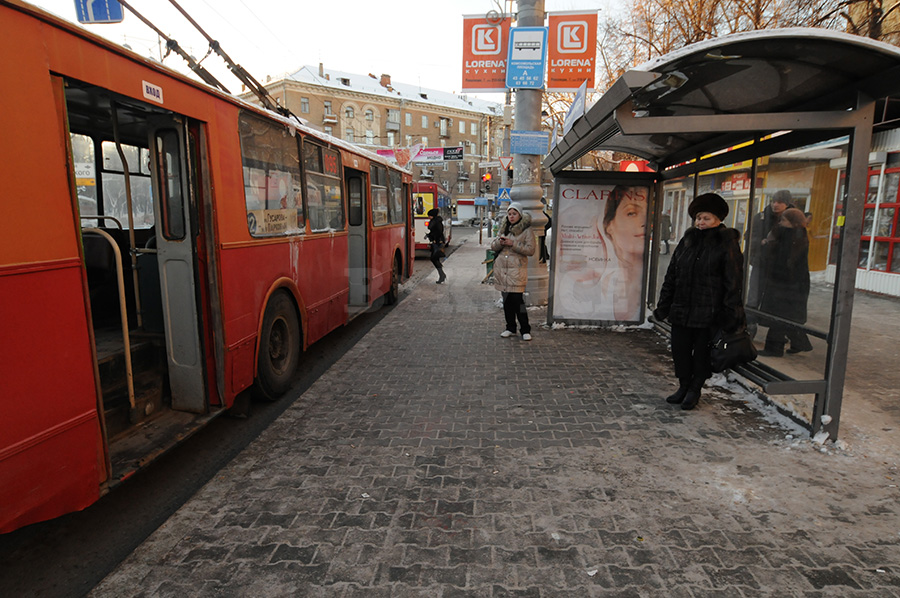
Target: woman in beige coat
[(512, 248)]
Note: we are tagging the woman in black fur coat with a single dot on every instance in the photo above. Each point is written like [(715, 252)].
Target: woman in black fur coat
[(701, 294)]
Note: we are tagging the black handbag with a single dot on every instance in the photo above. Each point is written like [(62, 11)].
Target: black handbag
[(730, 349)]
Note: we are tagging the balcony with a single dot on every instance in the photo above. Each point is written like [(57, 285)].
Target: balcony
[(391, 126), (330, 119)]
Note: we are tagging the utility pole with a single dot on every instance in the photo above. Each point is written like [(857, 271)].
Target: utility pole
[(526, 187)]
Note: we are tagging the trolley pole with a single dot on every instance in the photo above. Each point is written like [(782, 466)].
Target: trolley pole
[(526, 187)]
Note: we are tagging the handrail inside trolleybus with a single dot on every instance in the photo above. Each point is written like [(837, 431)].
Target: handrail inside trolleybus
[(98, 217), (123, 310)]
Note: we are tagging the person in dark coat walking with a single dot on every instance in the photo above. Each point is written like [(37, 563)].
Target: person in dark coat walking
[(785, 291), (701, 294), (436, 236)]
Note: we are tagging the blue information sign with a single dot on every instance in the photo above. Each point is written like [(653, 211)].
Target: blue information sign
[(529, 142), (527, 58), (99, 11)]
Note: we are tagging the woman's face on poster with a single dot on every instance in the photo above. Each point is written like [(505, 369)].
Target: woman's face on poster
[(627, 227)]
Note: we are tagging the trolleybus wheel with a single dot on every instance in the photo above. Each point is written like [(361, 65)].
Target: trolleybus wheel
[(279, 348), (393, 293)]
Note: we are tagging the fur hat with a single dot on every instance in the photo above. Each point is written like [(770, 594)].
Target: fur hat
[(709, 202), (782, 196), (433, 212)]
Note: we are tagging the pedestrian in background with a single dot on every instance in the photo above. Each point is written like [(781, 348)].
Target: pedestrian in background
[(512, 248), (761, 226), (786, 289), (665, 231), (545, 253), (436, 236), (701, 294)]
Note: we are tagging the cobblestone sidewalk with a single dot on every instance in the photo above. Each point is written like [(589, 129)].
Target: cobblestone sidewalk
[(438, 460)]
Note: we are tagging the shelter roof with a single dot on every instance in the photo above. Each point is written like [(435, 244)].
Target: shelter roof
[(797, 70)]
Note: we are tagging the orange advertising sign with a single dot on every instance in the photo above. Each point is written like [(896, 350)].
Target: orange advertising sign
[(572, 50), (484, 53)]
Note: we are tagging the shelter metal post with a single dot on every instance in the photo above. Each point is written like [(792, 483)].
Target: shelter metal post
[(845, 278)]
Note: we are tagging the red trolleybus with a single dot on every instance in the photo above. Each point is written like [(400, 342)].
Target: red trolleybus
[(166, 248), (425, 197)]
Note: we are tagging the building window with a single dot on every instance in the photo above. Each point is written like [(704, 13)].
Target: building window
[(446, 166), (370, 137), (304, 105), (328, 107), (348, 111), (472, 188), (474, 129), (409, 119), (391, 139), (445, 127), (348, 135), (424, 122), (460, 187), (393, 116), (329, 130), (462, 127), (425, 141), (408, 140), (370, 115)]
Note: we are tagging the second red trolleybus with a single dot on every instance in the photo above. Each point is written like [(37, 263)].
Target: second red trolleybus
[(167, 247), (427, 196)]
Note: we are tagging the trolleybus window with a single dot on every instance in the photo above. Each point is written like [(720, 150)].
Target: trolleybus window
[(324, 199), (355, 196), (172, 204), (272, 188), (396, 197), (379, 195), (113, 198), (85, 162)]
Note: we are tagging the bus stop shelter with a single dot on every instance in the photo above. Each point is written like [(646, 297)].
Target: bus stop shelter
[(739, 98)]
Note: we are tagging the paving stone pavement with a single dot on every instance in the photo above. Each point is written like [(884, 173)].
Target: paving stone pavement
[(438, 460)]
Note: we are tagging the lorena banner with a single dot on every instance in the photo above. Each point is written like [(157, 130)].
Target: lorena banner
[(572, 50), (485, 45)]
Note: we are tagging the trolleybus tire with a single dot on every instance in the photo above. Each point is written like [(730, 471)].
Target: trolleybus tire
[(390, 298), (279, 348)]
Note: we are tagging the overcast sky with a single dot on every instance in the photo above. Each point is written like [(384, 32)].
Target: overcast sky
[(418, 42)]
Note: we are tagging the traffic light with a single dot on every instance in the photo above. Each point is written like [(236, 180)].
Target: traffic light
[(486, 182)]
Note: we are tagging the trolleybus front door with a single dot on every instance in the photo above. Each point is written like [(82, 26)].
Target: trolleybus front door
[(175, 247)]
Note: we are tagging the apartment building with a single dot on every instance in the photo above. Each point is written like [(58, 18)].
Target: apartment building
[(377, 113)]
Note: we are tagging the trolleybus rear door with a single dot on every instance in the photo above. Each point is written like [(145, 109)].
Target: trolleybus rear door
[(175, 246), (356, 191)]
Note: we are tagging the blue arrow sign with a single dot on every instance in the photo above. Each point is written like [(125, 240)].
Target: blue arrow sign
[(98, 11), (527, 58)]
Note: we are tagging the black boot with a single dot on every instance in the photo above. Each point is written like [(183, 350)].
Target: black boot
[(678, 395), (441, 276), (691, 398)]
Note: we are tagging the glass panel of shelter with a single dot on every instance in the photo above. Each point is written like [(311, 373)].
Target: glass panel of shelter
[(779, 310)]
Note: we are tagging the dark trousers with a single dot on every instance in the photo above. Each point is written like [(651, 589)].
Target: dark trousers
[(690, 352), (436, 256), (779, 334), (513, 309)]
